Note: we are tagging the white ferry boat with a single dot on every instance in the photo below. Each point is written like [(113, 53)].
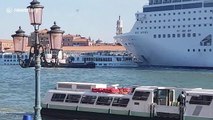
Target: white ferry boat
[(11, 58), (106, 59), (91, 101), (172, 33)]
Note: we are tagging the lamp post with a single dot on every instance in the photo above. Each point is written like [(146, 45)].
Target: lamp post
[(55, 36), (35, 12)]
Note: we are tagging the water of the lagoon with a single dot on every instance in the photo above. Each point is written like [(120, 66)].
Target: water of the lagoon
[(17, 84)]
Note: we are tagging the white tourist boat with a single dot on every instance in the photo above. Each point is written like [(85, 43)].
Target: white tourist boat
[(105, 59), (172, 33), (11, 58), (91, 101)]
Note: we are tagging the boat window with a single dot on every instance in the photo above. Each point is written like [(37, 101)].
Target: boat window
[(73, 98), (104, 101), (83, 86), (86, 99), (201, 100), (140, 95), (120, 102), (57, 97)]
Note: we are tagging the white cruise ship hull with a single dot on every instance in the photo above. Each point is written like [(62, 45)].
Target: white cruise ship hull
[(168, 53)]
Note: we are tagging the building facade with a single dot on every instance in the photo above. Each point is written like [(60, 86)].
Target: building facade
[(6, 45)]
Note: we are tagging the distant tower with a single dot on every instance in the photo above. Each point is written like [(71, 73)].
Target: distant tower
[(119, 28)]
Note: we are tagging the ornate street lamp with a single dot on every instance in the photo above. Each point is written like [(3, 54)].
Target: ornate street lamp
[(20, 41), (35, 11), (36, 51), (55, 38)]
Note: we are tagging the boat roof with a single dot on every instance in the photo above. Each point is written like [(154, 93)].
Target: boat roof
[(88, 93), (79, 83)]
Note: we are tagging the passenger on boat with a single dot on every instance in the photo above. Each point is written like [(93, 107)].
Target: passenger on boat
[(182, 99)]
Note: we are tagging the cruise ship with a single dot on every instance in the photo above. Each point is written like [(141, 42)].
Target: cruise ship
[(172, 33)]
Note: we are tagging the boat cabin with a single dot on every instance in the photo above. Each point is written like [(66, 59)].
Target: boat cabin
[(142, 101)]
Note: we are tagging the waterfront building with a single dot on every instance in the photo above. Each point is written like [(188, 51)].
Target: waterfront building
[(78, 49), (5, 45), (76, 40), (43, 37)]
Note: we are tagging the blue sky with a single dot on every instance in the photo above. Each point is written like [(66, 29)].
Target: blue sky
[(94, 18)]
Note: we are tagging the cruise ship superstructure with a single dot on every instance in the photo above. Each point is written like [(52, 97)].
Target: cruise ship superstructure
[(174, 33)]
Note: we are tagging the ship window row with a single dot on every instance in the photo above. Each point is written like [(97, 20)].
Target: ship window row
[(179, 20), (181, 13), (199, 50), (175, 35), (174, 26), (90, 99), (154, 2), (97, 59), (172, 7)]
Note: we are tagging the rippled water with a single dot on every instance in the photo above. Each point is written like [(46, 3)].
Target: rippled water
[(17, 84)]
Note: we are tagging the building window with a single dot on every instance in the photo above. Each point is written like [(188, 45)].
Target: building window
[(194, 34), (155, 36), (189, 35)]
